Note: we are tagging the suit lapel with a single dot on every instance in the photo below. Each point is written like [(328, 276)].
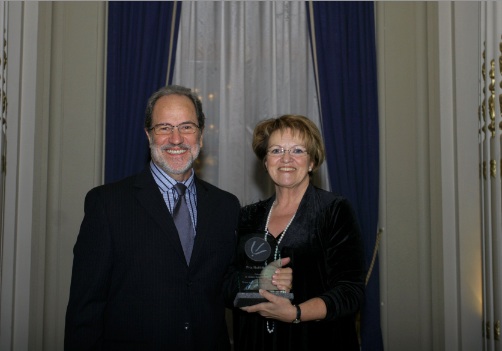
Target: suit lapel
[(204, 218), (150, 198)]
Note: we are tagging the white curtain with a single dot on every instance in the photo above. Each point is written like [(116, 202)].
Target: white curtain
[(490, 123), (249, 61)]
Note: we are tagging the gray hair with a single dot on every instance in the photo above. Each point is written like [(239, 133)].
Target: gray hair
[(174, 90)]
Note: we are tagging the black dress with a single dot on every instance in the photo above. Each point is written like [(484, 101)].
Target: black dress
[(327, 258)]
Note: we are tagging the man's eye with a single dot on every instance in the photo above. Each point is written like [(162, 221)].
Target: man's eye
[(164, 128), (187, 127)]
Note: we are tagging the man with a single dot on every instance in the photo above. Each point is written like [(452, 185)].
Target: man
[(132, 286)]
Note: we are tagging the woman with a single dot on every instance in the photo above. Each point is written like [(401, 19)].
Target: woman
[(319, 233)]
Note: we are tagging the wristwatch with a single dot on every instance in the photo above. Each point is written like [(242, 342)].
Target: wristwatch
[(298, 314)]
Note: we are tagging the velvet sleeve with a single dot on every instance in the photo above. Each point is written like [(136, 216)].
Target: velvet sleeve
[(344, 260)]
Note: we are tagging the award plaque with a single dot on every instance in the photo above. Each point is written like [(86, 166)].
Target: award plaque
[(256, 267)]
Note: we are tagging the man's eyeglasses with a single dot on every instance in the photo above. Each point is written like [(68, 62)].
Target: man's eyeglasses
[(183, 128), (296, 151)]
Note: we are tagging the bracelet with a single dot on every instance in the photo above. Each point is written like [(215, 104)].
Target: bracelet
[(298, 314)]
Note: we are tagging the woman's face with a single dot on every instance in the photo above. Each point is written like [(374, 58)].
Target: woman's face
[(290, 168)]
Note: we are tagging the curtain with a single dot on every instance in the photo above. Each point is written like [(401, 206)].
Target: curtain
[(343, 43), (141, 47), (490, 137), (248, 61)]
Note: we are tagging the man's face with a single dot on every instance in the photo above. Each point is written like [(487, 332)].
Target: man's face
[(175, 152)]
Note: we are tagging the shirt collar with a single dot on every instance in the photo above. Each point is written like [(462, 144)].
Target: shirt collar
[(166, 182)]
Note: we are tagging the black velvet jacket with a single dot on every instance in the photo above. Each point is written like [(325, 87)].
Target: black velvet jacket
[(325, 246)]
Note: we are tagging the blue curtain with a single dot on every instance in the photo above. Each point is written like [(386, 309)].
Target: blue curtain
[(343, 45), (142, 39)]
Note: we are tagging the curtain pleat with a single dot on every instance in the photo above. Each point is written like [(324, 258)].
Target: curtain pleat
[(141, 44), (343, 44)]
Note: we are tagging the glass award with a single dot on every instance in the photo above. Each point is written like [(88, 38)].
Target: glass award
[(256, 265)]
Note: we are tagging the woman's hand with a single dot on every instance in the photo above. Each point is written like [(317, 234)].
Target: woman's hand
[(283, 277), (277, 307)]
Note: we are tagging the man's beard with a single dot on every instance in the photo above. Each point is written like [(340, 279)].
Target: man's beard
[(159, 160)]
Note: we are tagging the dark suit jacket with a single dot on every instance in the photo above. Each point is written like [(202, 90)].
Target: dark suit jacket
[(131, 287)]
